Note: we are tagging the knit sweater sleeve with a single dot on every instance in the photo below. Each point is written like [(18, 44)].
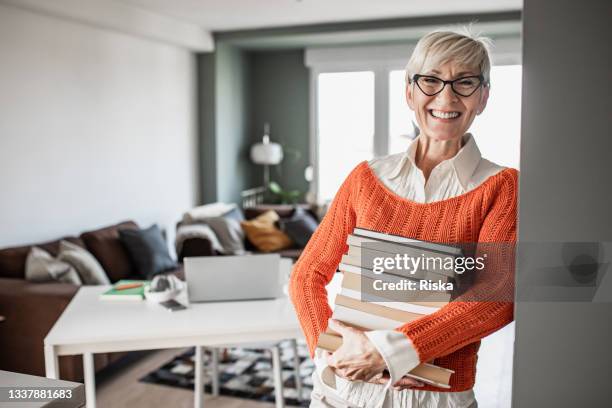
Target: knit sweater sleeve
[(319, 261), (488, 305)]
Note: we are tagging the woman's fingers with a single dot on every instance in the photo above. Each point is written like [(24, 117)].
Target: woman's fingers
[(357, 359), (356, 374), (407, 382), (381, 378)]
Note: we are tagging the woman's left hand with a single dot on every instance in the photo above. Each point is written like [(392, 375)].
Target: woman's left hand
[(357, 359)]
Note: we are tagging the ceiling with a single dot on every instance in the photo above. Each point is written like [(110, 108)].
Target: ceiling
[(266, 24), (225, 15)]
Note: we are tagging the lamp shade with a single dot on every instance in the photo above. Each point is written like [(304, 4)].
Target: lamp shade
[(266, 153)]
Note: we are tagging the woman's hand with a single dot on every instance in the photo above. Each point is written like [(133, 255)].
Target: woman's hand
[(403, 384), (357, 359), (407, 383)]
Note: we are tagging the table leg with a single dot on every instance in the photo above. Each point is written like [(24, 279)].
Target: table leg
[(215, 371), (51, 363), (277, 372), (296, 369), (198, 398), (90, 380)]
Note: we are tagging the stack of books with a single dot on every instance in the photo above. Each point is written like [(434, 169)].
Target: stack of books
[(364, 303)]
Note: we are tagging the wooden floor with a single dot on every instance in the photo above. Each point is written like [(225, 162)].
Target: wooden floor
[(123, 388)]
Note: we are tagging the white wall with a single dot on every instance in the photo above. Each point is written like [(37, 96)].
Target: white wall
[(95, 127)]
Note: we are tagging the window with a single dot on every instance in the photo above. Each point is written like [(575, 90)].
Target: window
[(360, 110), (345, 126), (498, 130), (401, 118)]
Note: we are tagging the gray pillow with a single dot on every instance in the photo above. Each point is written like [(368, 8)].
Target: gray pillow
[(148, 250), (42, 267), (88, 267), (229, 233), (299, 227)]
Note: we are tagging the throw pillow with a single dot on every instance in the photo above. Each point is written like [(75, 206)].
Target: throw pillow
[(234, 214), (207, 211), (148, 250), (264, 235), (195, 231), (42, 267), (299, 227), (88, 267), (229, 233)]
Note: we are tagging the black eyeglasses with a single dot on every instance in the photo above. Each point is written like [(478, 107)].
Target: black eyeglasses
[(465, 86)]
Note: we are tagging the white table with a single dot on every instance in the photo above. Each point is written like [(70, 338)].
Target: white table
[(89, 325)]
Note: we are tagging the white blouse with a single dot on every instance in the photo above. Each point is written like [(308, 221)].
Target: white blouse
[(452, 177)]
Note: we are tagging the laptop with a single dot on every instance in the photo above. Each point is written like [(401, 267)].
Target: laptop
[(243, 277)]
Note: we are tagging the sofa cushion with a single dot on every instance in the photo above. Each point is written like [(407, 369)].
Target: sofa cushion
[(105, 245), (299, 227), (229, 233), (283, 210), (148, 250), (263, 233), (202, 212), (43, 267), (13, 260), (88, 267)]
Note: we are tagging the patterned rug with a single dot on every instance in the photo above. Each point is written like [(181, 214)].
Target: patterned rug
[(243, 373)]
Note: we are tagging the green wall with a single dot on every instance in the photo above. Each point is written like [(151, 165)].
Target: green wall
[(280, 96), (232, 93), (207, 146), (224, 129), (239, 92)]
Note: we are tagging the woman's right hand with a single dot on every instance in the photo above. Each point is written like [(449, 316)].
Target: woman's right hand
[(403, 384)]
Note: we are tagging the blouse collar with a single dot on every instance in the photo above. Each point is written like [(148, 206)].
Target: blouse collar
[(464, 163)]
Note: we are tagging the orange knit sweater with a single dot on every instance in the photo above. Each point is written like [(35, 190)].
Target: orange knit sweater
[(451, 336)]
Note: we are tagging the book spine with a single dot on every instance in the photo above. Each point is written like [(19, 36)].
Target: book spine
[(368, 281), (419, 261), (391, 249), (351, 259), (405, 306), (377, 310), (366, 320), (365, 286), (433, 246)]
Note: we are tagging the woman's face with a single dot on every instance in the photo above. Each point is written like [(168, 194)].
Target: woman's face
[(428, 109)]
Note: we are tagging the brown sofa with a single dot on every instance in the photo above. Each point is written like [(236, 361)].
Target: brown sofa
[(203, 247), (31, 309)]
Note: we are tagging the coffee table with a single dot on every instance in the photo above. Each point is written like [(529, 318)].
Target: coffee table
[(89, 326)]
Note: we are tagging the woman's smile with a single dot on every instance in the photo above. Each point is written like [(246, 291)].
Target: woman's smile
[(444, 116)]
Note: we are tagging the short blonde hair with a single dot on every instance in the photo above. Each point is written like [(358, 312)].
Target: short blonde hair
[(441, 46)]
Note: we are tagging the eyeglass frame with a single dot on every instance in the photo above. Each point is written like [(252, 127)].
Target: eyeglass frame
[(415, 79)]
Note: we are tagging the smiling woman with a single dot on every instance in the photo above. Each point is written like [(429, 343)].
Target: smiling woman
[(447, 87), (452, 76)]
